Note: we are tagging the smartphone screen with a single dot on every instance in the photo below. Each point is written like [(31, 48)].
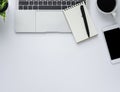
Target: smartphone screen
[(113, 42)]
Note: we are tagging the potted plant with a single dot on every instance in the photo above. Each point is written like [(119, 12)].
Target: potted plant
[(3, 8)]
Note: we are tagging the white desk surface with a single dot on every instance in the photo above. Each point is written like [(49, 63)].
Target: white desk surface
[(35, 62)]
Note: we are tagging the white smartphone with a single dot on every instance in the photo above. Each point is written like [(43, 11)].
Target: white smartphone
[(112, 38)]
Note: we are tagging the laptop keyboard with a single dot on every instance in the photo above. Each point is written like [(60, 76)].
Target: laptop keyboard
[(46, 4)]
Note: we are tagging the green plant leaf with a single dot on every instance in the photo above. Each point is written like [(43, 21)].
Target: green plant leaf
[(2, 4), (3, 15)]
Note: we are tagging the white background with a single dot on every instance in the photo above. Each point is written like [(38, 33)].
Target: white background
[(35, 62)]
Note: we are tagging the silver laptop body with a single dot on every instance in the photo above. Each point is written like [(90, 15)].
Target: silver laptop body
[(42, 15)]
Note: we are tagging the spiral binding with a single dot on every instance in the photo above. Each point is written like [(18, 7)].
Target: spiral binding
[(83, 2)]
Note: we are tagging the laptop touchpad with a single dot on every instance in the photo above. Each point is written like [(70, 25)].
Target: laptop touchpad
[(25, 21), (51, 21)]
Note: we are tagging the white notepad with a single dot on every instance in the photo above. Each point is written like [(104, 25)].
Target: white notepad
[(76, 22)]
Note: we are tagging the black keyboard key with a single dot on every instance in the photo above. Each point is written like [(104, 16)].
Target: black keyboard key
[(40, 2), (64, 7), (68, 6), (49, 7), (49, 3), (35, 7), (23, 2), (26, 3), (77, 2), (68, 2), (25, 7), (29, 7), (31, 2), (54, 3), (35, 2), (63, 2), (56, 7), (45, 2), (59, 3), (20, 7), (73, 3)]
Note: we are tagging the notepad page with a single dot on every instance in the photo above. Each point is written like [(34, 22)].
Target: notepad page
[(75, 21)]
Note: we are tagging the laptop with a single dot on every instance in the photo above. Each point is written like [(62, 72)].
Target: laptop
[(42, 15)]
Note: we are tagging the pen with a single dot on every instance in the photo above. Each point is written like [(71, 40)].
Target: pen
[(85, 19)]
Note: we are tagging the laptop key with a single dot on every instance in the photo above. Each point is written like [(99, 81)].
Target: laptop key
[(59, 2), (20, 7), (73, 3), (49, 7), (54, 2), (29, 7), (63, 2), (45, 2), (25, 7), (77, 2), (49, 3), (68, 2), (40, 2), (64, 7), (31, 2), (26, 3), (35, 7), (23, 2), (35, 2)]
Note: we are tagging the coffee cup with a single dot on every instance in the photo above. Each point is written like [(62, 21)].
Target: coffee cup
[(107, 6)]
